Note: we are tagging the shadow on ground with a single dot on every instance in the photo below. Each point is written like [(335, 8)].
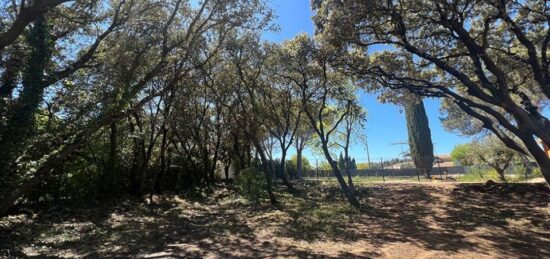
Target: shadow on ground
[(414, 220)]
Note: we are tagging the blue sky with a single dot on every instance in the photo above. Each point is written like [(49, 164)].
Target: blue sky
[(385, 123)]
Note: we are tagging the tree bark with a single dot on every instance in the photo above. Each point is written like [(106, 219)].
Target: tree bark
[(162, 172), (226, 171), (299, 163), (541, 157), (282, 170), (266, 169), (500, 173), (20, 125), (347, 192), (350, 180), (25, 17), (346, 155)]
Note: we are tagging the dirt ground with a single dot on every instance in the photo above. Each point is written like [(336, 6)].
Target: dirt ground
[(405, 220)]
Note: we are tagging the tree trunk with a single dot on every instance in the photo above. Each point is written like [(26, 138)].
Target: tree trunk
[(269, 181), (162, 172), (526, 164), (541, 157), (79, 139), (282, 170), (108, 180), (347, 160), (350, 181), (20, 125), (215, 158), (267, 171), (347, 192), (226, 171), (500, 173), (299, 162), (142, 167)]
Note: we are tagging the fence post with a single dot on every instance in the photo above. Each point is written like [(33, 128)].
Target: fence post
[(382, 165), (439, 167)]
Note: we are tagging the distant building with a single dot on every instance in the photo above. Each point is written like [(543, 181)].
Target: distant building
[(402, 165), (443, 160)]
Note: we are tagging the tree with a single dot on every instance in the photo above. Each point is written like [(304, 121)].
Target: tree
[(306, 66), (341, 162), (361, 166), (489, 58), (492, 152), (20, 124), (420, 139), (353, 164), (48, 64), (129, 55), (302, 138), (461, 154), (352, 128), (458, 122), (248, 61), (283, 116), (292, 165), (27, 12)]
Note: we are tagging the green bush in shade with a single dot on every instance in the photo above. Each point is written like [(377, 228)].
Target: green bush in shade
[(250, 183)]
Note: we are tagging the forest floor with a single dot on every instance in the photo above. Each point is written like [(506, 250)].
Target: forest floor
[(400, 220)]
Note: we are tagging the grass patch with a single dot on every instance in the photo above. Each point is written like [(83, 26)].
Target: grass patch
[(481, 175)]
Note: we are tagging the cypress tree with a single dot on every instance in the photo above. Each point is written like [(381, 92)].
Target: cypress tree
[(341, 162), (420, 139)]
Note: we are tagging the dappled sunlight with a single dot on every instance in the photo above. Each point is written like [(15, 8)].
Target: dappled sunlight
[(418, 220)]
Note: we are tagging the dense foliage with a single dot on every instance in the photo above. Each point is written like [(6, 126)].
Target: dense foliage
[(113, 97), (116, 97), (420, 137), (487, 59)]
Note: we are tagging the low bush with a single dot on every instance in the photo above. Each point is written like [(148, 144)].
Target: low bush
[(250, 183), (479, 174)]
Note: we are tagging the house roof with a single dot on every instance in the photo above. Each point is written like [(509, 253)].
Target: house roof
[(445, 157)]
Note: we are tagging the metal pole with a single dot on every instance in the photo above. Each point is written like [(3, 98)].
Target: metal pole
[(439, 167), (382, 165), (368, 154)]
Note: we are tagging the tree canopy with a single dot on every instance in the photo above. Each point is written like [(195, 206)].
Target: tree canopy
[(488, 58)]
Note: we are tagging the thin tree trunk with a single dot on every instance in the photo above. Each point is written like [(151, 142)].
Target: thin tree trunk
[(543, 160), (346, 154), (267, 171), (108, 179), (500, 173), (226, 171), (299, 162), (162, 172), (347, 192), (282, 170), (526, 164)]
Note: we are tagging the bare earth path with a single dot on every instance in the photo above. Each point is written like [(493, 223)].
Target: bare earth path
[(400, 221)]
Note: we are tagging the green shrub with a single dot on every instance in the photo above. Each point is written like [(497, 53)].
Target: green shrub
[(518, 174), (537, 173), (479, 174), (250, 183)]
